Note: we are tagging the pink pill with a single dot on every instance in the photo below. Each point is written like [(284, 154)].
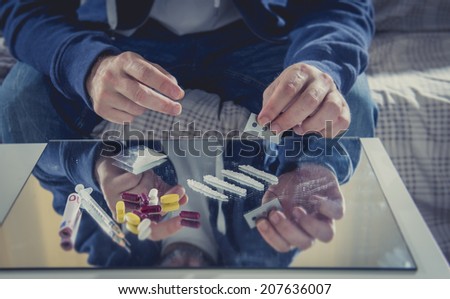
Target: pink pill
[(131, 197), (151, 209), (190, 223), (190, 215)]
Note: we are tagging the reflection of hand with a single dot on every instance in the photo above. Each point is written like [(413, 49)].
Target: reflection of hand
[(114, 181), (311, 201), (303, 98)]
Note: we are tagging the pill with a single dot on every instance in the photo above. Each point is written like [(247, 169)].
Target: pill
[(144, 200), (120, 211), (131, 206), (130, 197), (190, 215), (151, 209), (170, 207), (190, 223), (145, 233), (132, 218), (144, 224), (132, 228), (154, 217), (169, 198), (153, 202), (153, 193), (139, 214)]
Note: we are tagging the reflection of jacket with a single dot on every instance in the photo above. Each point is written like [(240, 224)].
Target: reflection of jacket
[(333, 35), (65, 164)]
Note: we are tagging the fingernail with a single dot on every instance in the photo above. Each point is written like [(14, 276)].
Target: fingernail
[(262, 225), (276, 128), (175, 93), (264, 120), (297, 214), (299, 130), (176, 110), (275, 218)]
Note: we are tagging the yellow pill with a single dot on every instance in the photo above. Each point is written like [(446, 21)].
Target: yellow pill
[(169, 198), (132, 228), (170, 207), (120, 211), (132, 218)]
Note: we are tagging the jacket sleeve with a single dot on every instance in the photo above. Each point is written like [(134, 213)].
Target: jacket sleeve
[(332, 35), (47, 35)]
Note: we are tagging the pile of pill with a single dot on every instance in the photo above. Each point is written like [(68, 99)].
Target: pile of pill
[(190, 219), (145, 209)]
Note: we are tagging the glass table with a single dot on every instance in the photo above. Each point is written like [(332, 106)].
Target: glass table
[(379, 232)]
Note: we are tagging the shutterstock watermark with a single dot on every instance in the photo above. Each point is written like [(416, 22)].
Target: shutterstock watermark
[(187, 140)]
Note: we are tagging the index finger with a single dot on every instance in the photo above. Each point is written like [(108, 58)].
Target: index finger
[(146, 73)]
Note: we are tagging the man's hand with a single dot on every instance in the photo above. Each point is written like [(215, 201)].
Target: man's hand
[(303, 98), (114, 181), (311, 201), (124, 86)]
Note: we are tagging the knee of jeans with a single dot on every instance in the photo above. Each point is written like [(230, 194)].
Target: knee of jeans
[(22, 87), (360, 101)]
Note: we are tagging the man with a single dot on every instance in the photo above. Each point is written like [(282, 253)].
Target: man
[(114, 60)]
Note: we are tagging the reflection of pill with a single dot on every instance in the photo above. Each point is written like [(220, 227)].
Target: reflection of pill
[(169, 198), (170, 207), (145, 233), (153, 193), (151, 209), (144, 200), (120, 211), (132, 228), (190, 223), (132, 219), (190, 215), (132, 205), (139, 214), (144, 224), (130, 197), (154, 217)]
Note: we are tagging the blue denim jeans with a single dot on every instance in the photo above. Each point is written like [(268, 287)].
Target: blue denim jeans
[(230, 62)]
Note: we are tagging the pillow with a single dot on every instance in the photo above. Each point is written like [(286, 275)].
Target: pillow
[(412, 15)]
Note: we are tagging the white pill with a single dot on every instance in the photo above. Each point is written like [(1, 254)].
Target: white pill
[(153, 193), (144, 224), (144, 234)]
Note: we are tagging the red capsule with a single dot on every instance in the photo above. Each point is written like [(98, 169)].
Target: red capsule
[(131, 205), (154, 217), (190, 223), (144, 199), (190, 215), (131, 197), (151, 209)]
